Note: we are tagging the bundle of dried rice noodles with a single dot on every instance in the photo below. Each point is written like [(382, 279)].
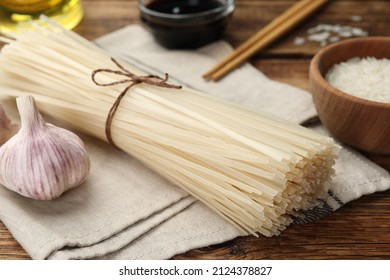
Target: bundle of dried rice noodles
[(253, 169)]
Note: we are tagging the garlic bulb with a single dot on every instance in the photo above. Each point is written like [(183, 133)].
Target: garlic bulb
[(7, 129), (41, 161)]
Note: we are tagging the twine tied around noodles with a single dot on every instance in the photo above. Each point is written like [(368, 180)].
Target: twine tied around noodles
[(132, 80)]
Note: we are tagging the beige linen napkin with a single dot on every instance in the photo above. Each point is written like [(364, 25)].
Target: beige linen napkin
[(126, 211)]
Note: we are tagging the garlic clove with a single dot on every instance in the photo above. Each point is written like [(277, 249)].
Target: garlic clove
[(7, 129), (42, 161)]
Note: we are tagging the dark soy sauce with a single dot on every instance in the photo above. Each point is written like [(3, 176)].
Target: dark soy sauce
[(200, 21), (183, 6)]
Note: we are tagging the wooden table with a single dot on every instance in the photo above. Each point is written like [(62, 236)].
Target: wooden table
[(359, 230)]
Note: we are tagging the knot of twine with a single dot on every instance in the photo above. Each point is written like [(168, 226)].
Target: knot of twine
[(132, 80)]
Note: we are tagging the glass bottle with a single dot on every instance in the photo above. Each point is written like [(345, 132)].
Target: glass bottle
[(19, 13)]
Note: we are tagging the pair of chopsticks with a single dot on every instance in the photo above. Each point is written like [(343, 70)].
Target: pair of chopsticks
[(264, 37)]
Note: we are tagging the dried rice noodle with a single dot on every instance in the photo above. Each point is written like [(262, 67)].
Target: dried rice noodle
[(253, 169)]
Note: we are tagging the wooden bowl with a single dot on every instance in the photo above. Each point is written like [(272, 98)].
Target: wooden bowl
[(360, 123)]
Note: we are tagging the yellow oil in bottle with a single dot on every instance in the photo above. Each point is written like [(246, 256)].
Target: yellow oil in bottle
[(16, 14)]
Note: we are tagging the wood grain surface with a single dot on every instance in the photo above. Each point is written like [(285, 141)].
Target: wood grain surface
[(359, 230)]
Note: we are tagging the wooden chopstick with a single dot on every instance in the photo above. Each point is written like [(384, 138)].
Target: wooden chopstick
[(258, 35), (264, 37)]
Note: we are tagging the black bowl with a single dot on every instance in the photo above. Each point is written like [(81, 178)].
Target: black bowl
[(186, 30)]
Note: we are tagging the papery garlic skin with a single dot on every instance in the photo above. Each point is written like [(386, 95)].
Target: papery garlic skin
[(42, 161), (7, 129)]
